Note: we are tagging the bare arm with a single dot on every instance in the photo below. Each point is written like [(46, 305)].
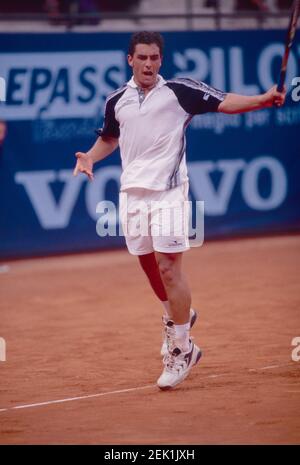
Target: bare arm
[(235, 103), (100, 150)]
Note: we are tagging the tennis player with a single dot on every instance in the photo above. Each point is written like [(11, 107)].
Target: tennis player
[(147, 118)]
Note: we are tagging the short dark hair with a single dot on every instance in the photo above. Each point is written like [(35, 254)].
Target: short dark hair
[(146, 37)]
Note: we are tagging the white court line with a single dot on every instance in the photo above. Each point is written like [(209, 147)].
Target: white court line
[(269, 367), (70, 399), (90, 396), (121, 391)]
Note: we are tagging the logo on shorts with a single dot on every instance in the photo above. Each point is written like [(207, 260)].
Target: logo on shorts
[(174, 243)]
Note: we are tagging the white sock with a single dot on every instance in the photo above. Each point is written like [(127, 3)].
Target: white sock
[(166, 306), (182, 336)]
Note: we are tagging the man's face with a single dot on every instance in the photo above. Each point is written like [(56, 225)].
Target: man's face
[(145, 63)]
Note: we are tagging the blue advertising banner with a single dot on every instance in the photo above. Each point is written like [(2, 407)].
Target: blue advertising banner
[(246, 167)]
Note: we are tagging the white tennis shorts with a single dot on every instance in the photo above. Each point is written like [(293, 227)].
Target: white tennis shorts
[(155, 220)]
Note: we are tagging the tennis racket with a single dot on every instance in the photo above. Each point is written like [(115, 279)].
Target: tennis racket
[(288, 43)]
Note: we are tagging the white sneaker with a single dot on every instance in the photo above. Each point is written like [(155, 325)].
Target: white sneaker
[(178, 364), (164, 347)]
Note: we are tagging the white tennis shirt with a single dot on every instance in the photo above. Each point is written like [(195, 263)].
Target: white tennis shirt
[(151, 129)]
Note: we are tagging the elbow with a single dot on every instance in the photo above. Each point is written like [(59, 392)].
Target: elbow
[(226, 110), (112, 141), (228, 105), (229, 109)]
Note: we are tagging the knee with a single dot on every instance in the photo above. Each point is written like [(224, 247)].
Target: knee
[(168, 272)]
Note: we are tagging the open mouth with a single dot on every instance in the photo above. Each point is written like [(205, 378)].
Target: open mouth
[(148, 73)]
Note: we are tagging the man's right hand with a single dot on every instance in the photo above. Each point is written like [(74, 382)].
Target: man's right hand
[(84, 165)]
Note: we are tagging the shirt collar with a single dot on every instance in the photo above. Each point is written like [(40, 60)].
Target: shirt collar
[(160, 82)]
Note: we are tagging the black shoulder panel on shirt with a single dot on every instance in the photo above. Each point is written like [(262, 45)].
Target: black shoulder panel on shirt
[(196, 97), (110, 124)]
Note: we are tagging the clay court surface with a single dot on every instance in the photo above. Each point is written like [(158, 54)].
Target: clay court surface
[(89, 326)]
